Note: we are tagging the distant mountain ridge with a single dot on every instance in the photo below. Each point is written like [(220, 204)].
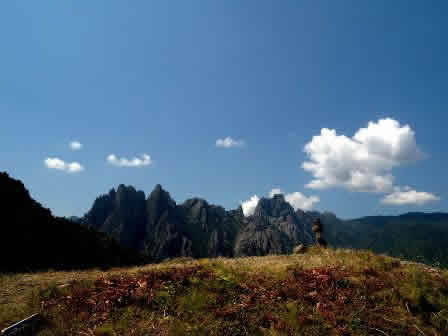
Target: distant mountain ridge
[(157, 228), (417, 236), (160, 228)]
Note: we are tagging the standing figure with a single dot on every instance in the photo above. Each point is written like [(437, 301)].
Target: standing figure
[(317, 229)]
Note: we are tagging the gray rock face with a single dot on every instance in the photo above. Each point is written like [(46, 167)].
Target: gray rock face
[(260, 237), (101, 209), (160, 228), (274, 207), (164, 235), (159, 203), (212, 228), (274, 228), (121, 214)]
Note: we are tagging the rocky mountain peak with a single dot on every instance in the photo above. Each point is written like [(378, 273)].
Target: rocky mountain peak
[(195, 202), (112, 193), (128, 194), (160, 198), (160, 228), (273, 207), (159, 201), (157, 188), (196, 208)]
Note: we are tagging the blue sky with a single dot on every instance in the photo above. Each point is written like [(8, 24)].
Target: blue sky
[(169, 78)]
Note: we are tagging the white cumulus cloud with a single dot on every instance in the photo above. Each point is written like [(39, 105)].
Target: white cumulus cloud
[(228, 142), (250, 205), (145, 160), (297, 199), (55, 163), (407, 196), (364, 161), (75, 145)]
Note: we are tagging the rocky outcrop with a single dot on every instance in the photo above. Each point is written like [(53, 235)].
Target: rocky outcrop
[(159, 204), (160, 228), (121, 214), (260, 237), (212, 228), (164, 234), (273, 228), (273, 207), (102, 207)]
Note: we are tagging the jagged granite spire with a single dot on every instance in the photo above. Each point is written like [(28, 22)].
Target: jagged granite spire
[(158, 202), (197, 228), (120, 213), (273, 207)]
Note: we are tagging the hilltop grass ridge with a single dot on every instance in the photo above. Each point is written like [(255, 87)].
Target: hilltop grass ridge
[(322, 292)]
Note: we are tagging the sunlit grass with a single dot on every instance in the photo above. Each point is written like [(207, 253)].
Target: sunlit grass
[(271, 295)]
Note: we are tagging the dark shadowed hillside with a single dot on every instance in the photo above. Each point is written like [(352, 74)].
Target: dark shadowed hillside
[(31, 238)]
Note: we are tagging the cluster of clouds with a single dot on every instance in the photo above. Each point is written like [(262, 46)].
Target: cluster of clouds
[(55, 163), (361, 163), (76, 167), (296, 199), (364, 162), (114, 160), (68, 167)]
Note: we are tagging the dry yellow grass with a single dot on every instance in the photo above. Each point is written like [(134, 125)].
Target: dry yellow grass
[(17, 290)]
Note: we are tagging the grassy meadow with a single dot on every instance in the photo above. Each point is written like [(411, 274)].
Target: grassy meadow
[(320, 292)]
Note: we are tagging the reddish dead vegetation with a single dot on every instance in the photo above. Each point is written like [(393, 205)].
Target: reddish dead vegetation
[(260, 298), (109, 293), (336, 298), (327, 289)]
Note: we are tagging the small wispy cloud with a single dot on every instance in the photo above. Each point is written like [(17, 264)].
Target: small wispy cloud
[(75, 145), (55, 163), (145, 160), (228, 142), (408, 196)]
